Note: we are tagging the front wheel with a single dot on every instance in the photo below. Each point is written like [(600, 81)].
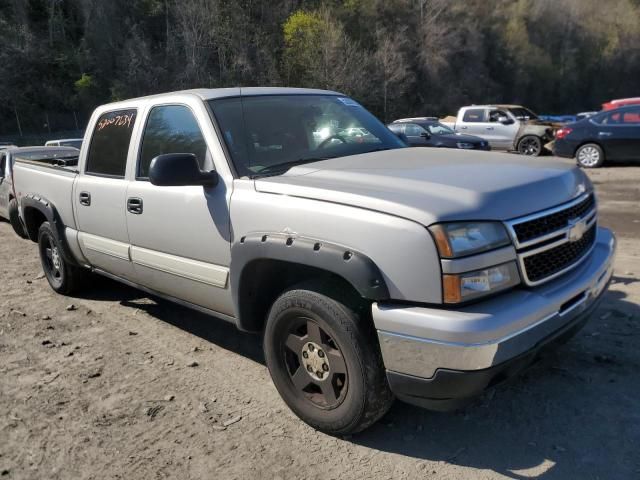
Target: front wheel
[(530, 145), (590, 156), (62, 277), (325, 362)]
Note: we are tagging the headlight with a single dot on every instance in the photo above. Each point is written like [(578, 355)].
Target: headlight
[(470, 285), (466, 238), (465, 145)]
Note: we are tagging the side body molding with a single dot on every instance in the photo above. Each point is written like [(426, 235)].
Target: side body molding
[(354, 267)]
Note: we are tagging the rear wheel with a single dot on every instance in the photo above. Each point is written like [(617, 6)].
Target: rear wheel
[(325, 362), (14, 218), (62, 277), (530, 145), (590, 156)]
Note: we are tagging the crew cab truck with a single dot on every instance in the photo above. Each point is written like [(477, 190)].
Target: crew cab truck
[(372, 270), (505, 127)]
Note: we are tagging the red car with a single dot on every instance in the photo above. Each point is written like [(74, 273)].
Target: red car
[(622, 102)]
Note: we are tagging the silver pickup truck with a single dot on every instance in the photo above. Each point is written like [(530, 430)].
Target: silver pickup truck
[(372, 270), (505, 127)]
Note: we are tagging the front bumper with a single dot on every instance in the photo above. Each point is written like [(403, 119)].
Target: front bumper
[(439, 357)]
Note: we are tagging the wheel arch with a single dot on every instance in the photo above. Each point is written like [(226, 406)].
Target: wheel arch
[(586, 142), (36, 211), (264, 265), (530, 134)]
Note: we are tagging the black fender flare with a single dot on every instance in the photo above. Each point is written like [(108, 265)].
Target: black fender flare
[(42, 205), (354, 267)]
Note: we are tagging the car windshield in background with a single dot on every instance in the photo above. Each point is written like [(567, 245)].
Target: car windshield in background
[(523, 114), (439, 129), (271, 133)]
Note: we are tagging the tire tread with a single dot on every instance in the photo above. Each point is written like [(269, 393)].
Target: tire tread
[(378, 397)]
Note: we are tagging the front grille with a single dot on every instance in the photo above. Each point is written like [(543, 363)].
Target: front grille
[(557, 259), (545, 225)]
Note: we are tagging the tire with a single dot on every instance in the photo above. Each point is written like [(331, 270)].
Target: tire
[(590, 155), (63, 278), (347, 389), (530, 145), (14, 219)]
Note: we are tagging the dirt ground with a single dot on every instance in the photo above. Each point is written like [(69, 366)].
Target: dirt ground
[(116, 385)]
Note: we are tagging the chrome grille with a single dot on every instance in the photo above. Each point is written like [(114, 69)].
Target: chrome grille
[(552, 242), (549, 262), (541, 226)]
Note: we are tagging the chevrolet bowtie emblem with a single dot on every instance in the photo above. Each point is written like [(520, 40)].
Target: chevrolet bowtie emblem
[(577, 229)]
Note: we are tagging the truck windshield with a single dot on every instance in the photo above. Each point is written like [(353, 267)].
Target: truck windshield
[(269, 134)]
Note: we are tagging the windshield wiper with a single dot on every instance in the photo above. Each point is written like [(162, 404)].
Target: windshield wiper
[(283, 167)]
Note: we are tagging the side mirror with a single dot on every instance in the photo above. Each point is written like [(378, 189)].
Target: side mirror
[(426, 135), (179, 170), (505, 120)]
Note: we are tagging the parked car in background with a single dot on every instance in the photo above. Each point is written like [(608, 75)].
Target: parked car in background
[(429, 132), (48, 155), (583, 115), (621, 102), (608, 135), (370, 269), (558, 118), (65, 142), (505, 127)]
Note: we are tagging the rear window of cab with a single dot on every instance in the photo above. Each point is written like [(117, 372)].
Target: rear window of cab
[(109, 145)]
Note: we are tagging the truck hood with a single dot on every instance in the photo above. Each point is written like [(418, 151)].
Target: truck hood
[(544, 123), (429, 185)]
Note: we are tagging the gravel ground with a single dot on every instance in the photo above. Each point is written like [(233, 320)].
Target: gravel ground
[(114, 384)]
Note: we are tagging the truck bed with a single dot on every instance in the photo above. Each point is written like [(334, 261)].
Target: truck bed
[(46, 180)]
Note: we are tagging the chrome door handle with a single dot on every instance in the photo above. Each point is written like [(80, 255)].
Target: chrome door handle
[(134, 205), (85, 199), (605, 134), (463, 128)]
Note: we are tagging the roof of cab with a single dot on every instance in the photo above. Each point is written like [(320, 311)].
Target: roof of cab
[(416, 119), (212, 93)]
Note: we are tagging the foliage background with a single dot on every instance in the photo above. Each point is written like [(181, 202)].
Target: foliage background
[(61, 58)]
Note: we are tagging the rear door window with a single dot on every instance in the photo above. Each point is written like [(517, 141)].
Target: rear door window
[(109, 145), (413, 130), (172, 129), (631, 117), (396, 128), (626, 117), (474, 115)]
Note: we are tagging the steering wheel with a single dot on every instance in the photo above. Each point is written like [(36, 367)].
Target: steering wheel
[(326, 140)]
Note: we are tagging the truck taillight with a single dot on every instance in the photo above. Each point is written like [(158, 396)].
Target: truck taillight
[(563, 132)]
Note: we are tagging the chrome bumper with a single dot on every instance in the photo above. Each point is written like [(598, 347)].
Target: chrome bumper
[(418, 341)]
